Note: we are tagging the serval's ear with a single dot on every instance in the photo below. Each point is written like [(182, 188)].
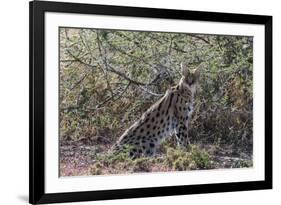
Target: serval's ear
[(196, 73), (184, 70)]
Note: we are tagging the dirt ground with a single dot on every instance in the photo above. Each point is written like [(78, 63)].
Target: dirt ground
[(78, 157)]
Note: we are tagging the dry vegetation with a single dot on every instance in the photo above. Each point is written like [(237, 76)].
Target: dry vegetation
[(109, 78)]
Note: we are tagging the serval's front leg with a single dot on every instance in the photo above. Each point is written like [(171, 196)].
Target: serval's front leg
[(182, 135), (181, 128)]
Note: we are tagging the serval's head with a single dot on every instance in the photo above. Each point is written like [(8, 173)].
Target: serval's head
[(189, 78)]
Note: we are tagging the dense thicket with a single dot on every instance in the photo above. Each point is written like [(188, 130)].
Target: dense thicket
[(108, 78)]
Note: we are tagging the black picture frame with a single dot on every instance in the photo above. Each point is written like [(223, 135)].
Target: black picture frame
[(37, 9)]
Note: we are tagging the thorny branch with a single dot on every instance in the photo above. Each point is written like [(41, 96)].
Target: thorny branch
[(113, 70)]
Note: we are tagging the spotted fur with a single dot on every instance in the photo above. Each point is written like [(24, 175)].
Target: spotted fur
[(168, 116)]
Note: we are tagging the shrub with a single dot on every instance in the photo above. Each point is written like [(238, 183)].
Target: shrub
[(96, 169), (142, 165), (200, 158)]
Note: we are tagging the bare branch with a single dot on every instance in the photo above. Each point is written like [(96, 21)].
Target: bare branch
[(123, 75), (111, 69), (103, 57), (150, 92), (79, 81), (118, 95), (200, 38)]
